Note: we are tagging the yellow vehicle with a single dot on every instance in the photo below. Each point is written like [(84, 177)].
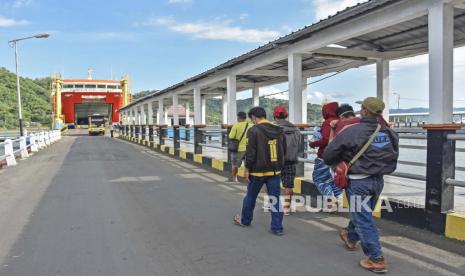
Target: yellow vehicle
[(97, 124)]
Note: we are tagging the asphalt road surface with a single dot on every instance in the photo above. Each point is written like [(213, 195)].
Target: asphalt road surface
[(101, 206)]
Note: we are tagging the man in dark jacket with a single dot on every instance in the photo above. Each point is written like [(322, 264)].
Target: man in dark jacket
[(264, 160), (365, 177)]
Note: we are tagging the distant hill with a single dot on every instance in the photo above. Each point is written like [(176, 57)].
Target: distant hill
[(142, 94), (417, 110), (35, 94)]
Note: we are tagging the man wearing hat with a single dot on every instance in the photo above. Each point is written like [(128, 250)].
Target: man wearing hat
[(379, 146)]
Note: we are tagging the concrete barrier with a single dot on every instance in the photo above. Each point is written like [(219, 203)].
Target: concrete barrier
[(33, 142), (9, 153)]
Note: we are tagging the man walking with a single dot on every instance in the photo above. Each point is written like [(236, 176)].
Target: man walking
[(293, 140), (379, 146), (264, 160), (237, 143)]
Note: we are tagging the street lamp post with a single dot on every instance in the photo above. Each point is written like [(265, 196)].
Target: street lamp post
[(13, 43)]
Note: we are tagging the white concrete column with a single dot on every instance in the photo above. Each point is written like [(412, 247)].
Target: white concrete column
[(175, 110), (382, 84), (255, 96), (150, 113), (166, 119), (188, 112), (304, 99), (161, 113), (133, 121), (231, 92), (197, 106), (224, 98), (441, 62), (296, 89), (143, 115), (204, 110)]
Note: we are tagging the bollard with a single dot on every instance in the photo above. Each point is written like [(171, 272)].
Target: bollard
[(198, 138), (300, 166), (111, 133), (33, 142), (10, 156), (440, 165), (23, 147), (161, 134)]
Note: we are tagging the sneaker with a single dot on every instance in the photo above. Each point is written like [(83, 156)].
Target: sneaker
[(378, 266), (277, 233), (344, 235)]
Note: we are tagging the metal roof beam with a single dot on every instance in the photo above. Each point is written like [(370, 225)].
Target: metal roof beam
[(267, 73)]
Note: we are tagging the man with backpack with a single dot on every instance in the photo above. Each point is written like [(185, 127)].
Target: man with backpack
[(293, 140), (369, 150), (237, 144), (264, 160)]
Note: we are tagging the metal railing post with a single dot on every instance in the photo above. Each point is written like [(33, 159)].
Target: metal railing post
[(187, 132), (9, 153), (151, 135), (440, 165), (161, 134), (198, 138), (143, 132), (176, 142), (300, 166), (225, 141)]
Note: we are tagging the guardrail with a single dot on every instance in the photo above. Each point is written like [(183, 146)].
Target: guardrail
[(21, 147)]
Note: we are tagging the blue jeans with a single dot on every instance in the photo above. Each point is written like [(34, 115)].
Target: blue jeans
[(253, 189), (324, 180), (362, 226)]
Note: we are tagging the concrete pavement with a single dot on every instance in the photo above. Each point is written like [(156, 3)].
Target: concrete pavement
[(100, 206)]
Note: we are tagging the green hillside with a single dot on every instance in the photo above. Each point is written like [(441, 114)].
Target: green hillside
[(35, 100), (214, 109)]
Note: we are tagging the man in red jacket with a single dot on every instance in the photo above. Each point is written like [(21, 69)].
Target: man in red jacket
[(321, 173)]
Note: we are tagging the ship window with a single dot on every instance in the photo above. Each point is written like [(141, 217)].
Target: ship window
[(90, 86), (78, 86), (119, 86), (68, 86), (101, 86), (111, 86)]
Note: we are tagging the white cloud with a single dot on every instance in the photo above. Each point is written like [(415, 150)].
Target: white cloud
[(215, 30), (21, 3), (243, 16), (9, 22), (325, 8), (319, 97), (274, 92), (179, 1)]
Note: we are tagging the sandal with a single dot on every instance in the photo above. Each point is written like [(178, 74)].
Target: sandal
[(237, 221)]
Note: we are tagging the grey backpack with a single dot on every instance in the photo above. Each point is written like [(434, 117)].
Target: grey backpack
[(293, 141)]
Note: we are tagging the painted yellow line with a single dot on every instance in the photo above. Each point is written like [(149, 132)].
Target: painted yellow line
[(455, 226)]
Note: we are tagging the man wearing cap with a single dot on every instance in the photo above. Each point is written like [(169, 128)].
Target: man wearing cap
[(365, 178), (293, 140)]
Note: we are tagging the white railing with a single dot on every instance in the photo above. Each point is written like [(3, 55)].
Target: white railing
[(18, 148)]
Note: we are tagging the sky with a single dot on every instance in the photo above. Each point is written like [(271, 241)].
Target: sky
[(161, 42)]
